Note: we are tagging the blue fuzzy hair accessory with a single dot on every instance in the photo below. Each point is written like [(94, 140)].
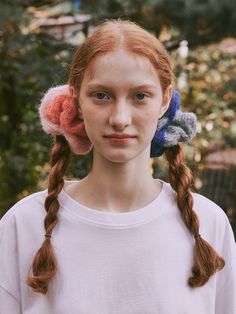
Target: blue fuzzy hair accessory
[(173, 127)]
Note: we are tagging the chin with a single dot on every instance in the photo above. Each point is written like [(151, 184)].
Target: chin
[(120, 157)]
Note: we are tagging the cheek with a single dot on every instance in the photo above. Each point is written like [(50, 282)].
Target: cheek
[(93, 119), (149, 119), (153, 122), (90, 115)]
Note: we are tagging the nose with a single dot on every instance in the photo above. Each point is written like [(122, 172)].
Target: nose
[(120, 116)]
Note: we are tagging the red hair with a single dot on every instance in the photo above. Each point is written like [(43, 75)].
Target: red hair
[(113, 34), (107, 37)]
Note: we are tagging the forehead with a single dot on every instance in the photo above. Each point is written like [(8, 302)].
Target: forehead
[(121, 65)]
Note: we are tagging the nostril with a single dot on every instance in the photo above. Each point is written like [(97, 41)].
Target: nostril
[(120, 120), (119, 125)]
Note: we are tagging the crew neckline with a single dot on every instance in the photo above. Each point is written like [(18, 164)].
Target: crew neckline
[(113, 220)]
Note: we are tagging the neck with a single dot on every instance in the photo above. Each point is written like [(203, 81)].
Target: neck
[(119, 186)]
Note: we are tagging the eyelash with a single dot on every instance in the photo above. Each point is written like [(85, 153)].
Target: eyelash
[(136, 94)]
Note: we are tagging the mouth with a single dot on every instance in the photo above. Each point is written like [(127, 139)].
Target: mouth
[(120, 138)]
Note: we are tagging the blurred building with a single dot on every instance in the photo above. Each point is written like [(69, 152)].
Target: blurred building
[(62, 22)]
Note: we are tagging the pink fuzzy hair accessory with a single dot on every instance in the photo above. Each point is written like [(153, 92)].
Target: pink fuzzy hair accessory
[(59, 116)]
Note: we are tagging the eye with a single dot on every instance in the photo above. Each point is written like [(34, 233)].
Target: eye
[(100, 95), (141, 96)]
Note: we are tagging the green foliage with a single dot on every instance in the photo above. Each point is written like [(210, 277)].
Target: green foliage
[(211, 95), (197, 21), (29, 63)]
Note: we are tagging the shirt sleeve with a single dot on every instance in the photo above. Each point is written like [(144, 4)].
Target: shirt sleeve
[(9, 266), (226, 278)]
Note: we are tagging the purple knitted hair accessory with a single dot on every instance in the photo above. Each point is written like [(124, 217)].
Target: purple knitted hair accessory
[(175, 126)]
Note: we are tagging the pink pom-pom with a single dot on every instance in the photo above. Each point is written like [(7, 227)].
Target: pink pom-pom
[(59, 116)]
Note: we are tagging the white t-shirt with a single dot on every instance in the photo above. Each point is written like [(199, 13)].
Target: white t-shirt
[(134, 262)]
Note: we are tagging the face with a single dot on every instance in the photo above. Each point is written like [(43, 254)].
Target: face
[(121, 95)]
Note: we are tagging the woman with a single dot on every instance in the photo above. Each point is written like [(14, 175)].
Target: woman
[(117, 241)]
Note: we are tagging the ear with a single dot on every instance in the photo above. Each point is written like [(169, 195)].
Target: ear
[(166, 100)]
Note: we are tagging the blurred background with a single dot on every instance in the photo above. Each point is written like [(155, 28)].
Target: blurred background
[(37, 41)]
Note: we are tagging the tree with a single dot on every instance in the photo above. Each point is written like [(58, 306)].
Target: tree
[(24, 75), (196, 21)]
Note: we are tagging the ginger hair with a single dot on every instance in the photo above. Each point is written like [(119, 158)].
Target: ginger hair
[(44, 265), (206, 260), (109, 36)]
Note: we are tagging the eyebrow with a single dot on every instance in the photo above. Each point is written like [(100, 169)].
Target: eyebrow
[(143, 86)]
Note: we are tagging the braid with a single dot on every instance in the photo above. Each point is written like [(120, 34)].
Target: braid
[(206, 260), (44, 265)]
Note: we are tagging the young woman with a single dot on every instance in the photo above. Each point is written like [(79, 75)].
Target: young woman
[(117, 241)]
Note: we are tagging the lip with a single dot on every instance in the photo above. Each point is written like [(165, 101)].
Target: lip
[(120, 136), (117, 140)]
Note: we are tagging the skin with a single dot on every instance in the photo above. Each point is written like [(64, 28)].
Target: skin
[(120, 179)]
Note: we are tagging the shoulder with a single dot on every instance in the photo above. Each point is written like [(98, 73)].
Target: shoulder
[(214, 223), (202, 205), (24, 212), (21, 234), (208, 208)]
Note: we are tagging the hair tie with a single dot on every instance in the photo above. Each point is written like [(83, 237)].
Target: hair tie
[(173, 127), (197, 236), (59, 116), (47, 235)]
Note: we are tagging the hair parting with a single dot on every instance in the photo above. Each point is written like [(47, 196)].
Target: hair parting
[(44, 265), (114, 34), (206, 260)]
